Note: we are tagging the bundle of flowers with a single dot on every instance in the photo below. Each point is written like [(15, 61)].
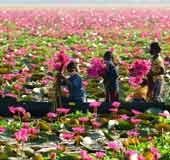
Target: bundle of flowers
[(138, 71), (58, 62), (96, 68)]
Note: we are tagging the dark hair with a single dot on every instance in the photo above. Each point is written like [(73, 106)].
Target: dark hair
[(108, 56), (144, 82), (154, 47), (50, 74), (72, 66)]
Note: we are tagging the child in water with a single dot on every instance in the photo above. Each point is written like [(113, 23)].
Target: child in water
[(74, 84), (111, 83)]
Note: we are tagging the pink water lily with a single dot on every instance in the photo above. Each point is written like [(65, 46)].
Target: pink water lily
[(124, 117), (58, 62), (116, 104), (63, 110), (156, 153), (139, 70), (2, 130), (78, 130), (83, 119), (96, 124), (95, 104), (135, 81), (18, 87), (133, 133), (22, 135), (68, 135), (26, 125), (11, 95), (115, 145), (85, 156), (17, 110), (9, 76), (97, 68), (136, 112), (135, 120), (141, 67), (51, 115), (100, 155), (33, 131)]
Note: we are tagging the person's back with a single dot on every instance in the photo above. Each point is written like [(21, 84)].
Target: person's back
[(75, 87), (110, 77)]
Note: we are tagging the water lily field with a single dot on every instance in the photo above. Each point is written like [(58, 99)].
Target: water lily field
[(31, 39)]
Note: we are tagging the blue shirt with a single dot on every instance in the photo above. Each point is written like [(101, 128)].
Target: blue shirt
[(111, 76), (75, 87)]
